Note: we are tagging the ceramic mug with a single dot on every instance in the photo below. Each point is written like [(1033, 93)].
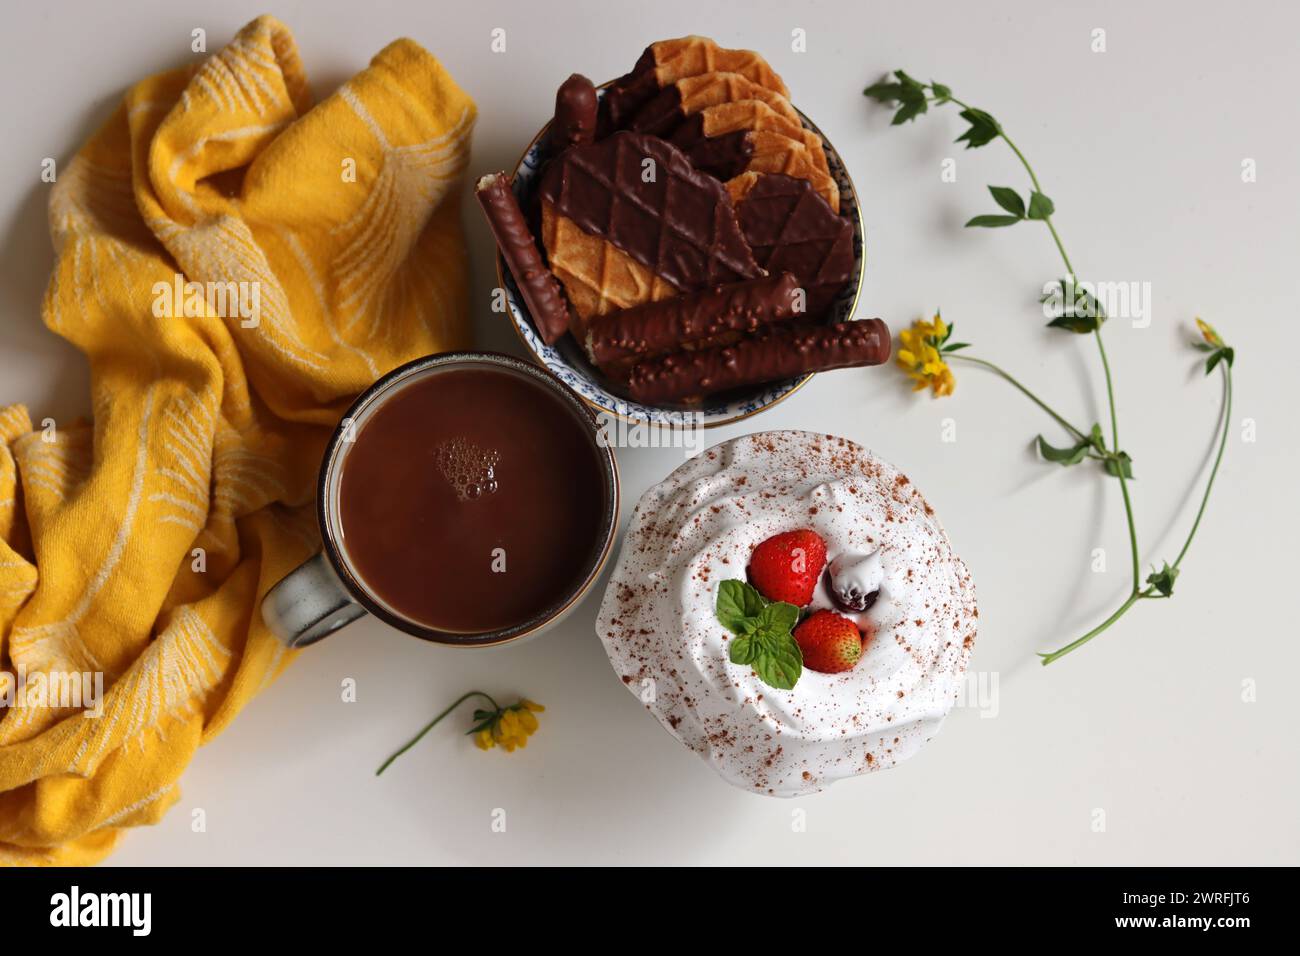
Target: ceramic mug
[(326, 592)]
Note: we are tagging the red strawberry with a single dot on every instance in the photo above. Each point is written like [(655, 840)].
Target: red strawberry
[(786, 566), (830, 642)]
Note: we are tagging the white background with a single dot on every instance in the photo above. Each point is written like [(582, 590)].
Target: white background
[(1140, 146)]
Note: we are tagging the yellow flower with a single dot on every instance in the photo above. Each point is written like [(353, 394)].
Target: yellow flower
[(1209, 334), (504, 727), (920, 356), (511, 726)]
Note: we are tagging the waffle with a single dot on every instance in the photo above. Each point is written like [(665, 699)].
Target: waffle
[(692, 94), (597, 276), (668, 61), (740, 116), (774, 153), (643, 197), (792, 229)]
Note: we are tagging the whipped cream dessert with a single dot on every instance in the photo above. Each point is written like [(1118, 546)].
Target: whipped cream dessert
[(885, 553)]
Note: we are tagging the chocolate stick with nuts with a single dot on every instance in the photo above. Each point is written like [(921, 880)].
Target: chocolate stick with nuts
[(779, 354), (713, 316)]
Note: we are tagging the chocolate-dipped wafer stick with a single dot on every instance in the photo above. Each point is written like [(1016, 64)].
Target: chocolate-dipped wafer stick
[(540, 289), (575, 113), (702, 319), (779, 354)]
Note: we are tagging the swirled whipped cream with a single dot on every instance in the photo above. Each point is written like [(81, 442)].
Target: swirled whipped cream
[(698, 528)]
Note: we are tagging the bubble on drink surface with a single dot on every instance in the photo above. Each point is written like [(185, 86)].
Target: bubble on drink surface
[(469, 469)]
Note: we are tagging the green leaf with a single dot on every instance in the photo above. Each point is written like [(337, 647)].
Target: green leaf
[(1009, 200), (983, 128), (884, 92), (1062, 456), (1121, 463), (908, 83), (956, 346), (941, 92), (907, 94), (743, 650), (993, 222), (1224, 354), (481, 726), (778, 617), (738, 606), (1081, 324), (779, 662), (1040, 207), (1097, 439), (1203, 347), (765, 641), (913, 106), (1163, 580)]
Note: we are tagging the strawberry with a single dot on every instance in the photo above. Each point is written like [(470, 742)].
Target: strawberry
[(830, 642), (786, 566)]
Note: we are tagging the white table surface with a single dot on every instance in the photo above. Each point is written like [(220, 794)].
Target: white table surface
[(1140, 146)]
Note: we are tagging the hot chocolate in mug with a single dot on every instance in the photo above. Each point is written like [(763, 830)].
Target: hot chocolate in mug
[(465, 498)]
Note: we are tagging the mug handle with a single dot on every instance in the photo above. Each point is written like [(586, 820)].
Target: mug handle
[(309, 603)]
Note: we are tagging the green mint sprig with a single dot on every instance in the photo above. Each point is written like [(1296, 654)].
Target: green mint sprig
[(764, 633)]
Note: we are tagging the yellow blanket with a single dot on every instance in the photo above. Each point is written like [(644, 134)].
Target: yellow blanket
[(236, 265)]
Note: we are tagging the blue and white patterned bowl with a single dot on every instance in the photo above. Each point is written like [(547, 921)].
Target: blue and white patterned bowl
[(567, 360)]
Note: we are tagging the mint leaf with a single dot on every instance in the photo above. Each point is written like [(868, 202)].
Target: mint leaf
[(778, 617), (1121, 463), (743, 650), (993, 222), (1163, 580), (1062, 456), (983, 129), (779, 661), (738, 606), (1009, 200), (763, 633), (1040, 207)]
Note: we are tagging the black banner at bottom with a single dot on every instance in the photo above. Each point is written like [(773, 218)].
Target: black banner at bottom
[(305, 904)]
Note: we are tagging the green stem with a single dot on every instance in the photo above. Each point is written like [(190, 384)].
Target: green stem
[(1223, 443), (1119, 470), (1150, 592), (1113, 454), (1074, 645), (1025, 391), (431, 724), (1105, 362)]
